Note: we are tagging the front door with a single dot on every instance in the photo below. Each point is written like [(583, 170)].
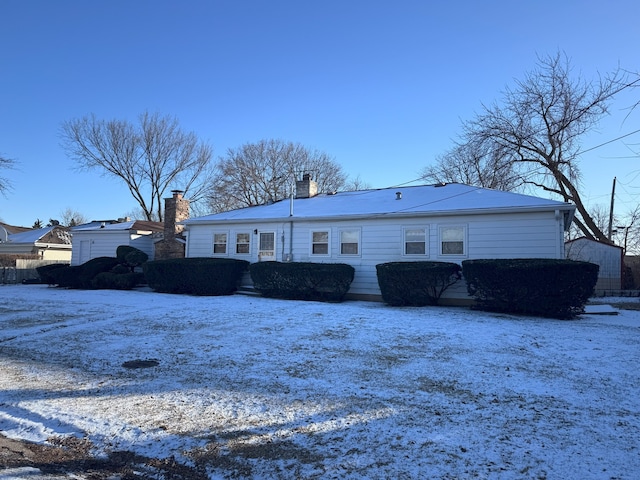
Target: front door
[(267, 246)]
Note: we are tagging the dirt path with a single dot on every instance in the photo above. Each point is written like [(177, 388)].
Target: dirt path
[(70, 458)]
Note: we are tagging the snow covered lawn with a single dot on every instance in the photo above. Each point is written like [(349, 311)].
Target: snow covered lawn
[(247, 387)]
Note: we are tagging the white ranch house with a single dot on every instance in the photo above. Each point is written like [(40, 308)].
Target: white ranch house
[(448, 222)]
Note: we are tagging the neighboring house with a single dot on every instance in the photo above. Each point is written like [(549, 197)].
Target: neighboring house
[(608, 257), (49, 243), (6, 230), (447, 222), (102, 238)]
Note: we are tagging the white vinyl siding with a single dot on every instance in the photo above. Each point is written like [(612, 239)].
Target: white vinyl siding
[(381, 240), (105, 244)]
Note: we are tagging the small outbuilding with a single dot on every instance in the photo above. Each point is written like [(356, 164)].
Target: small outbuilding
[(102, 238), (608, 257)]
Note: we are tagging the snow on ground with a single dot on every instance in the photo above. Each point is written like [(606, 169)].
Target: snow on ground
[(263, 388)]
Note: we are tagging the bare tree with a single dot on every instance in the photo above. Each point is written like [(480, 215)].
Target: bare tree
[(151, 157), (538, 127), (485, 164), (7, 164), (71, 218), (266, 171), (356, 184)]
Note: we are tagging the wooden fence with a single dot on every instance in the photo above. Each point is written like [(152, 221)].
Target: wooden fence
[(24, 270)]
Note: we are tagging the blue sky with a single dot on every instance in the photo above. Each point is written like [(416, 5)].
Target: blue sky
[(380, 86)]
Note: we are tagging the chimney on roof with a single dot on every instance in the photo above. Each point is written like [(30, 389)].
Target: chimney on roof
[(306, 188), (176, 209)]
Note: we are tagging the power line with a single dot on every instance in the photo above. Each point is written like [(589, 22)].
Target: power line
[(610, 141)]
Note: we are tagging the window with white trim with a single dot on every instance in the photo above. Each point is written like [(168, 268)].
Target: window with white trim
[(219, 243), (350, 242), (320, 243), (453, 240), (415, 240), (243, 243)]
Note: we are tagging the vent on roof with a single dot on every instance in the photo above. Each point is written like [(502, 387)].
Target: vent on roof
[(398, 195), (441, 184)]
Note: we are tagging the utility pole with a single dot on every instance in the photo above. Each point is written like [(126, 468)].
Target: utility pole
[(613, 192)]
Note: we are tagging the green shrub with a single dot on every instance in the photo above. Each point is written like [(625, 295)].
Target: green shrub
[(195, 276), (302, 280), (117, 281), (532, 286), (131, 256), (81, 276), (44, 272), (416, 283)]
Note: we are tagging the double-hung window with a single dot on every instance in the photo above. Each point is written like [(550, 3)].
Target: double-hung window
[(415, 241), (243, 243), (453, 240), (219, 243), (320, 243), (350, 242)]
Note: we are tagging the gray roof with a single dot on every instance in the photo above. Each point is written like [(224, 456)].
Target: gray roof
[(134, 225), (424, 200), (34, 236)]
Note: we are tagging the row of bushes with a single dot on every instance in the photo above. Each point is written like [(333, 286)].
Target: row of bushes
[(545, 287), (540, 286), (117, 273)]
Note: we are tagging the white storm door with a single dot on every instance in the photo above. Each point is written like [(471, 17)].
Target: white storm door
[(267, 246)]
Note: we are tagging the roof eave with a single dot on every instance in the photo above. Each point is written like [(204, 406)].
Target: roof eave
[(569, 208)]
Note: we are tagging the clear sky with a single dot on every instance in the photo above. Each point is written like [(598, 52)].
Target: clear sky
[(381, 86)]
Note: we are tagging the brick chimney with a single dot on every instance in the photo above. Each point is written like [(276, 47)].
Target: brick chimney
[(306, 188), (176, 209)]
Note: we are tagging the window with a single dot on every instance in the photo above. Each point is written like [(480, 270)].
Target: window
[(415, 241), (219, 243), (319, 243), (452, 240), (267, 246), (243, 243), (350, 242)]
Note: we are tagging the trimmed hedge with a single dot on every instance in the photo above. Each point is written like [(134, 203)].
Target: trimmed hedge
[(102, 272), (81, 276), (44, 272), (130, 256), (117, 280), (532, 286), (195, 276), (328, 282), (415, 283)]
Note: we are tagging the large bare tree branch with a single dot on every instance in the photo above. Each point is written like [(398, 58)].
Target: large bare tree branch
[(7, 164), (150, 157), (537, 129)]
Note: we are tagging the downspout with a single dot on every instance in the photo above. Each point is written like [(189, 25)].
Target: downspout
[(291, 227), (560, 246)]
